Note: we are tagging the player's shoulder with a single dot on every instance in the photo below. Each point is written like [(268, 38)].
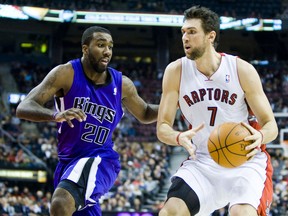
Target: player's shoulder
[(66, 66), (174, 65), (246, 71), (128, 87), (243, 65), (126, 81), (63, 69)]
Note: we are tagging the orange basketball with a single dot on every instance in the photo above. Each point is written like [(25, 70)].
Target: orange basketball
[(226, 145)]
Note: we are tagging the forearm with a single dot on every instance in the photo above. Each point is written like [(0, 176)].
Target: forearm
[(32, 111), (167, 134), (269, 132), (151, 114)]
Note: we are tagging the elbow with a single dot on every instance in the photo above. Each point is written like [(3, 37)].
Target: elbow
[(19, 111), (276, 133), (276, 130), (273, 132), (145, 121), (159, 134), (18, 114), (149, 115)]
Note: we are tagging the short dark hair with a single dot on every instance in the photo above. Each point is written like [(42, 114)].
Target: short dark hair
[(88, 34), (210, 20)]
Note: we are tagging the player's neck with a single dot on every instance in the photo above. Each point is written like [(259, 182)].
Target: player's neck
[(95, 77), (209, 63), (99, 78)]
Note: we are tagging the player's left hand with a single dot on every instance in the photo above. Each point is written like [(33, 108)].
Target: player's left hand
[(70, 114), (256, 137)]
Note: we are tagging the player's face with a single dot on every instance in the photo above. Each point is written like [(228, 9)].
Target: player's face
[(193, 38), (100, 51)]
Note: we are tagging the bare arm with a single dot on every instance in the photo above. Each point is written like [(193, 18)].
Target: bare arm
[(168, 108), (145, 113), (58, 81), (258, 102), (169, 104)]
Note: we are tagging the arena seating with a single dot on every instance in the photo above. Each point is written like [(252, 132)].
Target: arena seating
[(241, 9), (143, 144)]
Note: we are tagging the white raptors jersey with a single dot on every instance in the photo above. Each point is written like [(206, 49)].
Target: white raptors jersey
[(212, 100)]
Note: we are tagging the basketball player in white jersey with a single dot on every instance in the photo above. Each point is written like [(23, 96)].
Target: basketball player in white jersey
[(211, 88)]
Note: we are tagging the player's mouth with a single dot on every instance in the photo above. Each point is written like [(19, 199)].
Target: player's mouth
[(105, 61), (187, 48)]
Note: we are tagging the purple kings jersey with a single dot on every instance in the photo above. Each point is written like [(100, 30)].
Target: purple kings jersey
[(103, 107)]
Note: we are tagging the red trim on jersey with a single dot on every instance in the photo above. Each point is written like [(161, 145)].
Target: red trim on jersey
[(180, 81), (224, 54), (236, 63), (267, 193), (255, 125)]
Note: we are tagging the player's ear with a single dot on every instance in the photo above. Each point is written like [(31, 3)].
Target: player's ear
[(212, 36), (84, 49)]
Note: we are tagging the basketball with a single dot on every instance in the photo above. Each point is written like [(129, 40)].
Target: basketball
[(226, 145)]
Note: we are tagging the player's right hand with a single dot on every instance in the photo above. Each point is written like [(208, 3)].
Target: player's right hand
[(185, 140), (70, 114)]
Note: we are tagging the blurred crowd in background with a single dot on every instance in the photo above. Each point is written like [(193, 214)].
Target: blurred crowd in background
[(233, 8), (145, 161)]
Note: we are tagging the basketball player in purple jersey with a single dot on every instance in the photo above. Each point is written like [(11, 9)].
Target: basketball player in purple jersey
[(88, 99), (211, 88)]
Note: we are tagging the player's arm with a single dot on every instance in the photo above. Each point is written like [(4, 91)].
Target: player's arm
[(57, 82), (259, 104), (142, 111), (168, 108)]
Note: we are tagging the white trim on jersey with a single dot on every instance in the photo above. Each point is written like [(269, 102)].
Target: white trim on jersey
[(92, 179)]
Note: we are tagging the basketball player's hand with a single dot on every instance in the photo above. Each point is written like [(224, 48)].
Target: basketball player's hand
[(186, 137), (256, 137), (70, 114)]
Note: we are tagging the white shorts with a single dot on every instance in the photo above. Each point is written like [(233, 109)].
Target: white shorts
[(217, 186)]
